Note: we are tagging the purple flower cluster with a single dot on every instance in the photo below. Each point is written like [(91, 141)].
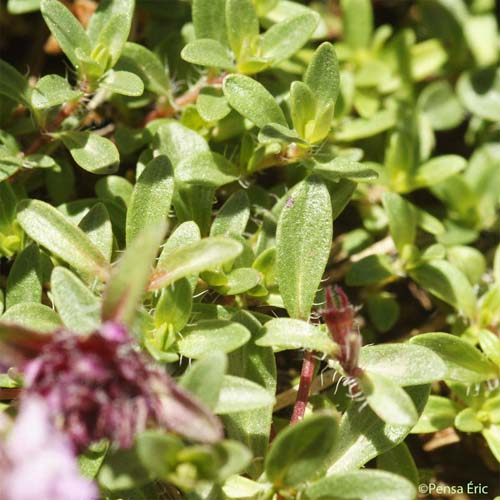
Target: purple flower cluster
[(99, 386), (37, 461)]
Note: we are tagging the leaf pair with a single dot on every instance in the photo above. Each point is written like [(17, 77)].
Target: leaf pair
[(240, 33), (94, 52), (311, 102), (224, 394), (48, 227)]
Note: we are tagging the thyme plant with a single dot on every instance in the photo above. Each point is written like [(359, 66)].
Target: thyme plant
[(249, 248)]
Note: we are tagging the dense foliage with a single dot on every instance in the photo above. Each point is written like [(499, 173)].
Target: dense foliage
[(247, 247)]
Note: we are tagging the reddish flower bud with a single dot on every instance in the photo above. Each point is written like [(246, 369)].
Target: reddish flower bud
[(339, 318)]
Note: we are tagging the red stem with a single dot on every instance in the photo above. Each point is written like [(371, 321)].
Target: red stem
[(306, 378), (9, 393), (66, 111), (189, 97)]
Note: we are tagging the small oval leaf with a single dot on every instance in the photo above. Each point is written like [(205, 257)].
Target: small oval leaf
[(303, 237), (48, 227)]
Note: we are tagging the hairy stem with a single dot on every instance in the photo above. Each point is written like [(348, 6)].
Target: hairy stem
[(166, 110), (66, 111), (306, 379)]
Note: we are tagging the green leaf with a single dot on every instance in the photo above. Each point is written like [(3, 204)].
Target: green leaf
[(77, 306), (492, 408), (370, 270), (129, 278), (272, 132), (151, 197), (232, 218), (105, 15), (97, 226), (145, 64), (174, 307), (490, 345), (319, 128), (236, 458), (404, 364), (75, 211), (68, 32), (239, 394), (363, 485), (322, 75), (299, 451), (178, 142), (8, 167), (383, 310), (285, 333), (479, 91), (184, 234), (14, 85), (492, 436), (467, 421), (252, 100), (205, 377), (123, 470), (361, 128), (239, 281), (211, 335), (439, 413), (114, 188), (212, 104), (122, 82), (8, 205), (52, 90), (440, 105), (447, 283), (388, 400), (341, 168), (464, 362), (402, 220), (301, 260), (92, 458), (302, 106), (438, 169), (207, 52), (208, 19), (24, 283), (48, 227), (194, 202), (34, 316), (363, 435), (429, 223), (258, 365), (399, 461), (91, 68), (112, 37), (206, 169), (283, 39), (371, 73), (242, 24), (242, 487), (196, 257), (357, 23), (158, 452), (92, 152), (469, 260), (481, 32), (22, 6)]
